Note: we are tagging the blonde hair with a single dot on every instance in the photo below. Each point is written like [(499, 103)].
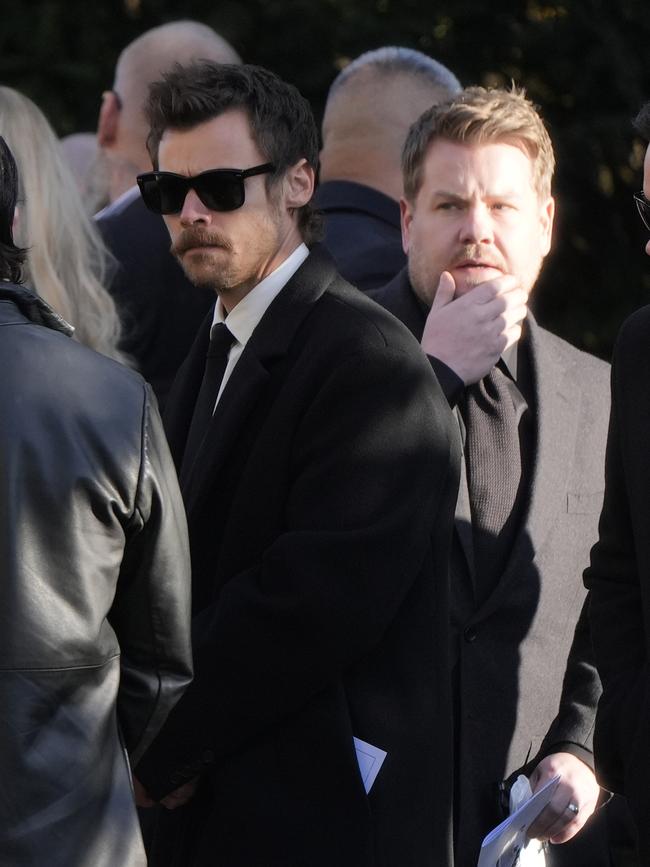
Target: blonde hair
[(67, 261), (480, 116)]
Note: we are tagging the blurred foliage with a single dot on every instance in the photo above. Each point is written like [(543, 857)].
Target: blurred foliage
[(584, 62)]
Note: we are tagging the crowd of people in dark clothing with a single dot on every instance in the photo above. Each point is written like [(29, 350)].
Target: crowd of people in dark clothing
[(317, 549)]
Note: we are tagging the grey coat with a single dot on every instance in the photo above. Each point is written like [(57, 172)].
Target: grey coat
[(517, 696)]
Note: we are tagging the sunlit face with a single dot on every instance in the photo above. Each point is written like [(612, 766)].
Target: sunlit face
[(476, 215), (228, 251), (646, 185)]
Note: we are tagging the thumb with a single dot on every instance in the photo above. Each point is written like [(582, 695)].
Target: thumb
[(445, 291)]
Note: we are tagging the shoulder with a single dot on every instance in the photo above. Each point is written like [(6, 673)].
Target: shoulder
[(361, 319), (634, 335), (575, 361), (81, 373)]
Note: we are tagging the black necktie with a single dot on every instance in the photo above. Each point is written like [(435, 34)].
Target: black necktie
[(492, 412), (215, 366)]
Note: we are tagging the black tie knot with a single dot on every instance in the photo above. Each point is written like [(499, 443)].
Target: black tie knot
[(221, 340)]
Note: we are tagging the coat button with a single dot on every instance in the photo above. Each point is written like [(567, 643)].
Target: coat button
[(470, 634)]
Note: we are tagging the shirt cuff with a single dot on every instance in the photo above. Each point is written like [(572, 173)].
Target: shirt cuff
[(452, 385)]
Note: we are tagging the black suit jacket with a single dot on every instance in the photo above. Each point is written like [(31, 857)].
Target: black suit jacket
[(320, 511), (618, 580), (160, 309), (518, 696), (362, 232)]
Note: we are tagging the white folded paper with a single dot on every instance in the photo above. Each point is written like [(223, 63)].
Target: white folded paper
[(370, 761), (502, 845)]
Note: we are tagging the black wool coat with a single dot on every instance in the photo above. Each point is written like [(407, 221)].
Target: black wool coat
[(320, 511), (618, 578)]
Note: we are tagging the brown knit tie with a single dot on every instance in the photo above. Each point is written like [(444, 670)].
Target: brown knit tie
[(493, 458)]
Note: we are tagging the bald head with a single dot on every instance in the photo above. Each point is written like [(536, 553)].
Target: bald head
[(122, 129), (370, 107)]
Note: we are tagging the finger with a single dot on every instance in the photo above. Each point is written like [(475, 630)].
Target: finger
[(556, 820), (483, 293), (142, 798), (174, 800), (508, 320), (512, 335), (566, 827), (445, 291), (500, 303)]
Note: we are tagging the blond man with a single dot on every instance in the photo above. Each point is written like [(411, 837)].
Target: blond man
[(477, 217)]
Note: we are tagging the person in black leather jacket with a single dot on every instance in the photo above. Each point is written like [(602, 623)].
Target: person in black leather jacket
[(94, 583)]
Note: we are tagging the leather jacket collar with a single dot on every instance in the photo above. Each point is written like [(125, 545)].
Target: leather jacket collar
[(34, 308)]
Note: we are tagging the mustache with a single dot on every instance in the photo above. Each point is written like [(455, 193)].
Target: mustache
[(196, 237), (477, 253)]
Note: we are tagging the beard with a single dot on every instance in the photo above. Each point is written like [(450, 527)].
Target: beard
[(425, 276), (206, 268), (230, 265)]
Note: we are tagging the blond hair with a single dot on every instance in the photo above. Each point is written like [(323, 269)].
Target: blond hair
[(480, 116), (66, 258)]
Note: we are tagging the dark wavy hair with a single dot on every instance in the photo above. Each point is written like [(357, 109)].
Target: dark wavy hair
[(281, 119), (11, 256)]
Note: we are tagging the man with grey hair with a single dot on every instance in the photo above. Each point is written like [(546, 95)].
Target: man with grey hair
[(122, 128), (370, 107), (160, 308)]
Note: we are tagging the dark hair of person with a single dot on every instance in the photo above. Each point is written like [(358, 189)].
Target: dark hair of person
[(11, 256), (281, 119), (642, 122)]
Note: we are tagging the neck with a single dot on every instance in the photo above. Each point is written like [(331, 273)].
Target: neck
[(375, 171)]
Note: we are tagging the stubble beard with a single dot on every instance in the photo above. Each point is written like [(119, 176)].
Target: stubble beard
[(208, 269)]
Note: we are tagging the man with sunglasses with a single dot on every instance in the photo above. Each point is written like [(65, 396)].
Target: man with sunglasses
[(319, 465), (618, 576)]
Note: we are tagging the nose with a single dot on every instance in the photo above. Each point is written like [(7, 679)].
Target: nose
[(476, 227), (194, 211), (647, 248)]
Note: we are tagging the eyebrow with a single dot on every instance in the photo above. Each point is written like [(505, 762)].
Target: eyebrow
[(445, 194)]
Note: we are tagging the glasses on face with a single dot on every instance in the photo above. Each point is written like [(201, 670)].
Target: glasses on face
[(643, 207), (218, 189)]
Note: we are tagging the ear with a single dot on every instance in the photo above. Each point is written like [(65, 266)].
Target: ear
[(109, 118), (299, 184), (406, 218), (547, 214)]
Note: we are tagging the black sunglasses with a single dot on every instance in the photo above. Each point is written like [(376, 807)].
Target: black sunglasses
[(218, 189), (643, 207)]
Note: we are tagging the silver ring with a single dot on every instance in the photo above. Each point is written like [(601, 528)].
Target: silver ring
[(573, 808)]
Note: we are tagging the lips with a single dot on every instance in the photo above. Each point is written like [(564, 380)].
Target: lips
[(477, 263)]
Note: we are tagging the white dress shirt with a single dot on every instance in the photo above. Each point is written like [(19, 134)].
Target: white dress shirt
[(245, 316)]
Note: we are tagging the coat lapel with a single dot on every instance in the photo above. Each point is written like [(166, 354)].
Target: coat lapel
[(248, 383), (558, 409), (184, 391)]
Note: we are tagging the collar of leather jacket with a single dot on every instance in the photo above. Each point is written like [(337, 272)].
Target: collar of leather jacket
[(34, 308)]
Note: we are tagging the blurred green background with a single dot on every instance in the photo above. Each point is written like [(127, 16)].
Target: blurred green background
[(586, 63)]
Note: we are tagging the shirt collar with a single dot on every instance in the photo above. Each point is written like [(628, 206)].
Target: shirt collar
[(120, 204), (509, 358), (245, 316)]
